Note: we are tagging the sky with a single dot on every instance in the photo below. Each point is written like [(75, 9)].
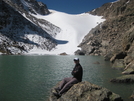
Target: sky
[(74, 6)]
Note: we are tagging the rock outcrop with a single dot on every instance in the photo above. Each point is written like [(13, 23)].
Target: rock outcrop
[(86, 91), (124, 79), (114, 38), (64, 53)]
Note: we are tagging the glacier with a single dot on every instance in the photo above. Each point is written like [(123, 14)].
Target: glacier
[(73, 29)]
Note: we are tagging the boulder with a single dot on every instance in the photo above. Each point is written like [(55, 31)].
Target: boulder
[(80, 52), (118, 64), (85, 91), (64, 53), (132, 96), (124, 79)]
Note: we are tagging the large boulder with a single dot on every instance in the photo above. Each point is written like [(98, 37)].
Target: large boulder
[(80, 52), (85, 91), (118, 64)]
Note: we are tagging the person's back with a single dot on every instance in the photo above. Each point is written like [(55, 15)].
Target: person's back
[(78, 72)]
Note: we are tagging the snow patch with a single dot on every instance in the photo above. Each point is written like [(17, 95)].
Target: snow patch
[(116, 1), (111, 5), (93, 10), (73, 30), (127, 2)]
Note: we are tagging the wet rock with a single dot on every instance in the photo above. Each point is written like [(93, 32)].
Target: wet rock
[(85, 91), (96, 62), (124, 79)]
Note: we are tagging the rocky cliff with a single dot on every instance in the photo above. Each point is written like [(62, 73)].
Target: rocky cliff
[(20, 31), (114, 38)]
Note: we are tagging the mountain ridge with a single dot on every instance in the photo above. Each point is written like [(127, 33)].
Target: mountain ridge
[(19, 35)]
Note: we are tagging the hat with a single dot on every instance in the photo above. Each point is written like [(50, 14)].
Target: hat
[(76, 59)]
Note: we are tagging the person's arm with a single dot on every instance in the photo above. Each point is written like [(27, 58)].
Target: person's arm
[(75, 71)]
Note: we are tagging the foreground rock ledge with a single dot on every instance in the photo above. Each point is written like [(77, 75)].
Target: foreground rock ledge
[(85, 91)]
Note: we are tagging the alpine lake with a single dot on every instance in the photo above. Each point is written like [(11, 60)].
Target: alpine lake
[(31, 77)]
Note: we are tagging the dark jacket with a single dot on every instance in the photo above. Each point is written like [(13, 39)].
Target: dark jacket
[(78, 72)]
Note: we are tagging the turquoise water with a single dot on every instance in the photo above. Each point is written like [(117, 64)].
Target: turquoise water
[(30, 78)]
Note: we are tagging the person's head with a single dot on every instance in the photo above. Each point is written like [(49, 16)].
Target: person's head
[(76, 60)]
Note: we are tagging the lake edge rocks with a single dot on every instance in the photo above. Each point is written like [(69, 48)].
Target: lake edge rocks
[(86, 91)]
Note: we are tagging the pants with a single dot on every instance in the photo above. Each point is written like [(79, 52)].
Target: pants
[(66, 84)]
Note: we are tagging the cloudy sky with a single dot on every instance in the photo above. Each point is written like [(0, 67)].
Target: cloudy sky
[(74, 6)]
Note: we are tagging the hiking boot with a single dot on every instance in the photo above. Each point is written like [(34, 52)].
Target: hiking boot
[(57, 90), (58, 95)]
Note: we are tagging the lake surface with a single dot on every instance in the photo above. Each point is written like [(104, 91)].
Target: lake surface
[(30, 78)]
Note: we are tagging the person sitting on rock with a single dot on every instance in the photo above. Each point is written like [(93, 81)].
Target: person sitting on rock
[(67, 83)]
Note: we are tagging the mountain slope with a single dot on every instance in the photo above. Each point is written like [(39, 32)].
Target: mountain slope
[(29, 7), (18, 34), (115, 38)]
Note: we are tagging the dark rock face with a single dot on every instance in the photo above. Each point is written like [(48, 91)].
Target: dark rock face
[(79, 52), (114, 38), (31, 6), (86, 91)]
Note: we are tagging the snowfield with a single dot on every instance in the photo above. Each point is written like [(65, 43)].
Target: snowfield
[(73, 30)]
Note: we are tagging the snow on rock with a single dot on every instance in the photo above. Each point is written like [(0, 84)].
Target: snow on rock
[(73, 30)]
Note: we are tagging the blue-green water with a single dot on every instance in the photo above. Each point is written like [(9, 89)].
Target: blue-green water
[(30, 78)]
